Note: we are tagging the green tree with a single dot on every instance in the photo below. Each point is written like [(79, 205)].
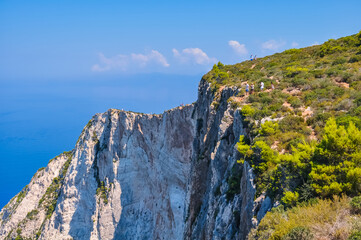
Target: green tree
[(268, 128), (337, 162), (243, 149), (290, 198)]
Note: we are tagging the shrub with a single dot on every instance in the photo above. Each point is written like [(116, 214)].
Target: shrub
[(327, 49), (261, 113), (354, 59), (340, 60), (291, 123), (306, 192), (215, 68), (356, 204), (293, 71), (234, 182), (290, 198), (103, 192), (295, 103), (358, 50), (223, 76), (357, 111), (220, 65), (317, 73), (22, 194), (243, 148), (217, 192), (275, 107), (32, 214), (355, 236), (265, 99), (266, 154), (292, 51), (268, 128), (247, 111), (298, 233), (358, 39), (298, 82), (347, 119)]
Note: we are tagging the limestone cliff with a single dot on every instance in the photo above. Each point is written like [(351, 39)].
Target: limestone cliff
[(142, 176)]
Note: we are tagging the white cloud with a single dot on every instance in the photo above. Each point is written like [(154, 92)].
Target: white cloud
[(153, 56), (273, 45), (193, 55), (294, 44), (315, 43), (240, 49), (133, 61)]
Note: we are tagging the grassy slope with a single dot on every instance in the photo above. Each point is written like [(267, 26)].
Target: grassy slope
[(297, 155), (326, 78)]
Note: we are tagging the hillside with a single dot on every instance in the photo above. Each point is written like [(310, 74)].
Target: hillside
[(303, 138), (282, 163)]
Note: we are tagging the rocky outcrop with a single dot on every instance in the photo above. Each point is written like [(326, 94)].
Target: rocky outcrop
[(25, 213), (142, 176)]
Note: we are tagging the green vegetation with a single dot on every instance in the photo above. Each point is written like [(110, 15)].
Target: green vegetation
[(356, 204), (355, 236), (325, 78), (243, 148), (95, 137), (49, 199), (103, 192), (290, 199), (234, 181), (19, 237), (296, 233), (217, 192), (304, 138), (22, 194), (31, 215), (326, 219), (308, 169), (337, 161), (310, 146)]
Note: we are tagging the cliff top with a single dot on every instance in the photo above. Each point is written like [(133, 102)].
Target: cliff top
[(313, 83), (311, 63)]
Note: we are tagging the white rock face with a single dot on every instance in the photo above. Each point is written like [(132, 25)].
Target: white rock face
[(14, 213), (143, 161), (141, 176)]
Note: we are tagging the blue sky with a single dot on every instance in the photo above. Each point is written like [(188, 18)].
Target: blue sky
[(75, 38), (63, 61)]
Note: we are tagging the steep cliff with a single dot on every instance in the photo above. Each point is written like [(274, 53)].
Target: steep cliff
[(141, 176)]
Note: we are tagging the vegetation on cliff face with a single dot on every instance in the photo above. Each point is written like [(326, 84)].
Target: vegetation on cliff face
[(304, 137), (48, 201)]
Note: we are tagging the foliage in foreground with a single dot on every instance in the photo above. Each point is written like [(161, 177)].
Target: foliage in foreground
[(316, 219), (330, 167)]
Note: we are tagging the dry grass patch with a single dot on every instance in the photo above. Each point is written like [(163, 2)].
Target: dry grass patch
[(323, 219)]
